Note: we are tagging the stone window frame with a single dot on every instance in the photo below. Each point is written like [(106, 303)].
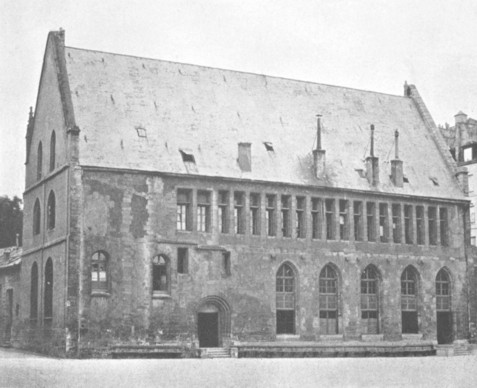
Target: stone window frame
[(51, 211), (443, 290), (182, 260), (344, 219), (204, 217), (160, 287), (36, 217), (255, 214), (100, 266), (223, 211)]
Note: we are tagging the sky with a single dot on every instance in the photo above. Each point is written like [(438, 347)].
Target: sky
[(365, 44)]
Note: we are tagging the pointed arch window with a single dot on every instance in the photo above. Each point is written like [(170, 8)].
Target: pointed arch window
[(39, 161), (328, 285), (36, 218), (285, 289), (51, 211), (409, 301), (52, 151), (34, 294), (99, 272), (160, 274), (445, 332), (369, 301), (48, 299)]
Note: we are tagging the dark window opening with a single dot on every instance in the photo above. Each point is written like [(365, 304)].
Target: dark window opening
[(226, 263), (344, 221), (99, 272), (182, 260), (36, 218), (300, 217), (39, 162), (286, 230), (420, 225), (328, 287), (431, 214), (255, 213), (444, 226), (203, 211), (408, 224), (371, 220), (184, 219), (239, 226), (52, 151), (285, 294), (51, 211), (396, 210), (270, 214), (330, 216), (383, 222), (223, 211), (160, 274), (34, 294), (316, 218), (48, 299), (358, 220)]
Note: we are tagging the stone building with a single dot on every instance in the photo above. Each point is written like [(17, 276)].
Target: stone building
[(172, 207), (462, 142)]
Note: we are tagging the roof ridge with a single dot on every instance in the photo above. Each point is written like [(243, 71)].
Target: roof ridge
[(237, 71)]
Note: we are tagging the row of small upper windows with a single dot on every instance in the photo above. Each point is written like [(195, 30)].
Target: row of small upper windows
[(161, 271), (330, 218), (50, 214), (369, 287), (39, 155)]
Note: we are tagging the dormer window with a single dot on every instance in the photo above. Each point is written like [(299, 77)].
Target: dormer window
[(268, 146), (187, 157)]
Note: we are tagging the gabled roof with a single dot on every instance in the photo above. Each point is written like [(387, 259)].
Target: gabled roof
[(138, 113)]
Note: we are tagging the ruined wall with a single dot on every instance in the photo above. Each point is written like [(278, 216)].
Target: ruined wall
[(132, 217)]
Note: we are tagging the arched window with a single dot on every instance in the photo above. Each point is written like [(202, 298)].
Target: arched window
[(99, 272), (328, 300), (48, 300), (409, 286), (160, 274), (52, 151), (285, 289), (369, 301), (36, 218), (51, 211), (39, 161), (444, 308), (34, 293)]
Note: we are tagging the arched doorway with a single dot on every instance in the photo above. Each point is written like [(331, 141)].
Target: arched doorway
[(213, 322), (443, 308)]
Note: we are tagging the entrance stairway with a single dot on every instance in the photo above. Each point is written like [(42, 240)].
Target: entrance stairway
[(214, 353)]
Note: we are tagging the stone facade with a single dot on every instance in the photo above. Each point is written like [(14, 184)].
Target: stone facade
[(189, 213)]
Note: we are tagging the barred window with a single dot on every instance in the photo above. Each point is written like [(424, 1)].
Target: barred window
[(328, 287), (99, 271)]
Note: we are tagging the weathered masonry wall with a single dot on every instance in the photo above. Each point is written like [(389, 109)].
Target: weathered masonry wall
[(133, 217)]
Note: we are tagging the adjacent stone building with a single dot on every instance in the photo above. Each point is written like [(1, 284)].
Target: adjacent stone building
[(172, 207)]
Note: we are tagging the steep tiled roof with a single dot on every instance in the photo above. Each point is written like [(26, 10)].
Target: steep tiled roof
[(137, 113)]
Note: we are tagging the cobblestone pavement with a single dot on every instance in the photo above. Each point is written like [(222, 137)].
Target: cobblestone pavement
[(18, 369)]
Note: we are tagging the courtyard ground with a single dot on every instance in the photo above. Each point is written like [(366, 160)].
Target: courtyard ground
[(19, 369)]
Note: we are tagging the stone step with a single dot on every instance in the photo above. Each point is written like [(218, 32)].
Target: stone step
[(215, 353)]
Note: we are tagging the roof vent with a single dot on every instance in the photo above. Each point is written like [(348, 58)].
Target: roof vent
[(245, 156), (396, 164), (434, 180), (319, 155), (268, 146), (372, 163), (141, 131)]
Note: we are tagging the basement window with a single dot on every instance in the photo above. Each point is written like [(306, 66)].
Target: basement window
[(141, 132), (187, 157), (268, 146), (434, 180)]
